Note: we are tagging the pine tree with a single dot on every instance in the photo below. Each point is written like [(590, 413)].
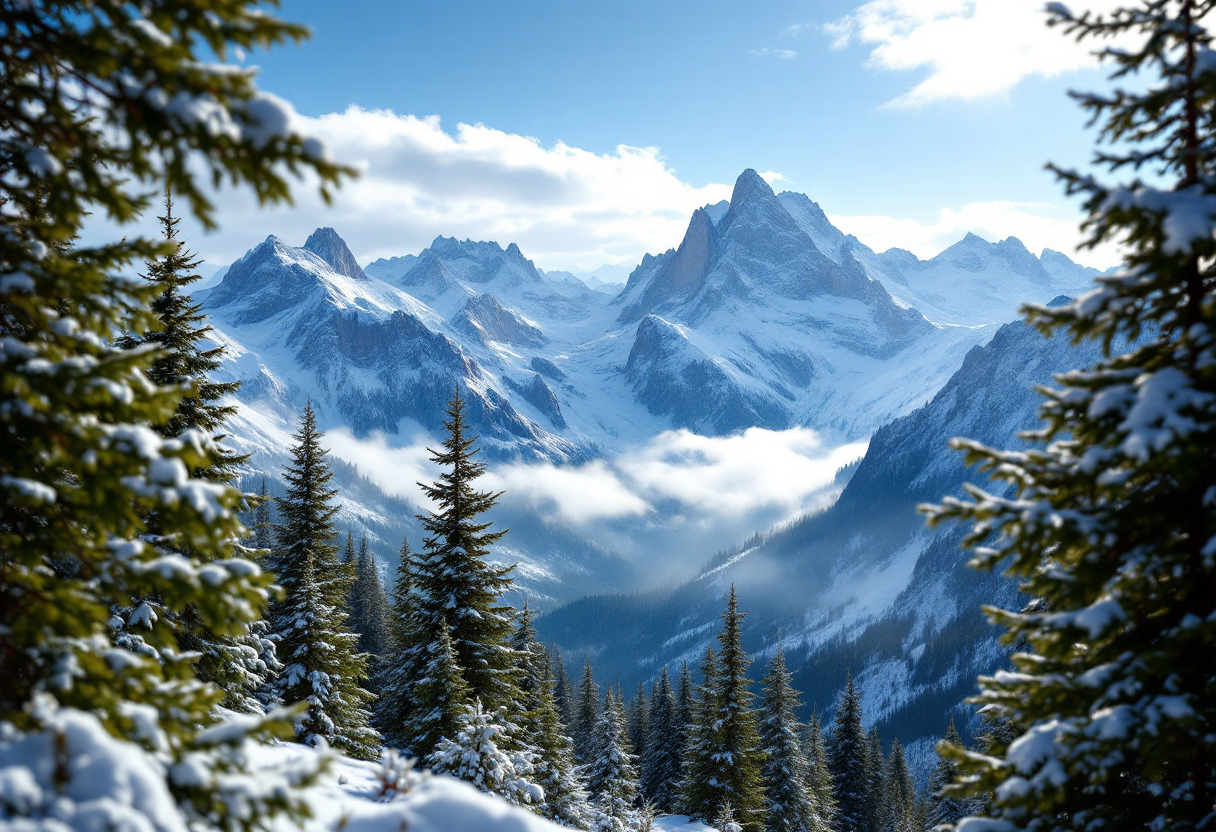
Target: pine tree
[(563, 691), (611, 775), (790, 804), (541, 731), (898, 810), (683, 715), (585, 717), (848, 755), (1110, 515), (661, 768), (725, 758), (637, 724), (263, 525), (876, 767), (442, 684), (478, 755), (452, 582), (818, 776), (393, 705), (945, 809), (369, 614), (321, 663), (92, 125)]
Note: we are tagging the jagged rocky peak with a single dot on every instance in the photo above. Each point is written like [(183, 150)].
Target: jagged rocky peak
[(326, 244), (484, 318)]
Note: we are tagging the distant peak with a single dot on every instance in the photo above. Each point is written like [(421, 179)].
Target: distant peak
[(749, 186), (326, 244), (974, 238)]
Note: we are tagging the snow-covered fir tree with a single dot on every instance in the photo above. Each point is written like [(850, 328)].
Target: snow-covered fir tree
[(683, 713), (542, 733), (876, 768), (586, 714), (817, 778), (724, 758), (397, 672), (947, 809), (451, 581), (369, 613), (790, 804), (82, 466), (611, 775), (1110, 517), (321, 662), (725, 821), (478, 755), (661, 768), (263, 523), (899, 804), (636, 725), (563, 690), (848, 761)]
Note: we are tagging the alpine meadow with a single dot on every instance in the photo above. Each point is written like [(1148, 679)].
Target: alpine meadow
[(716, 511)]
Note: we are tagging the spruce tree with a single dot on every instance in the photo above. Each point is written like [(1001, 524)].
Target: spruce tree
[(369, 613), (661, 769), (946, 809), (700, 798), (393, 704), (683, 714), (585, 717), (848, 757), (322, 665), (637, 725), (899, 794), (452, 582), (1110, 515), (739, 736), (790, 804), (612, 777), (94, 123), (818, 776), (441, 683), (478, 754), (563, 690), (876, 767), (263, 525), (542, 733)]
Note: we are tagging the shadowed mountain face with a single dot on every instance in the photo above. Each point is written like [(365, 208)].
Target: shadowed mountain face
[(765, 316), (863, 586)]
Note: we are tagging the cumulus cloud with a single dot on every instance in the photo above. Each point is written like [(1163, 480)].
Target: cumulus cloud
[(1037, 225), (971, 48), (565, 207)]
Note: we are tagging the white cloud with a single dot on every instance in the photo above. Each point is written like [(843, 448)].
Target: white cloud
[(565, 207), (1037, 225), (713, 479), (783, 54), (972, 48)]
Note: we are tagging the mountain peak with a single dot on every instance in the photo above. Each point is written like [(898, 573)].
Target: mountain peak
[(326, 244), (749, 186)]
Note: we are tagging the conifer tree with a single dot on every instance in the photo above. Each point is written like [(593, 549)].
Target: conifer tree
[(348, 553), (699, 796), (442, 684), (586, 715), (790, 804), (393, 705), (369, 613), (683, 714), (638, 725), (541, 731), (263, 525), (322, 665), (94, 123), (898, 811), (1113, 509), (563, 690), (848, 756), (818, 776), (876, 767), (612, 777), (661, 767), (452, 581), (478, 755), (947, 809)]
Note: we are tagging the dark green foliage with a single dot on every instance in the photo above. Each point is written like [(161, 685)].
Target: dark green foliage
[(263, 524), (899, 806), (848, 761), (1109, 517), (89, 130), (725, 753), (683, 713), (369, 613), (321, 662), (585, 716), (818, 776), (563, 691), (638, 723), (790, 804), (393, 705), (661, 758), (943, 808), (453, 586), (876, 766), (611, 774)]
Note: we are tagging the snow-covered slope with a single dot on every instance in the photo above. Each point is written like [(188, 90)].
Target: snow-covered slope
[(764, 316), (862, 586)]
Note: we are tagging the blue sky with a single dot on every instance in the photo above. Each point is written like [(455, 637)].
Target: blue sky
[(909, 121)]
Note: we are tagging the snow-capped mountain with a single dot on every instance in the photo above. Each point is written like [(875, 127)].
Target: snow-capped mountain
[(863, 586), (764, 316)]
